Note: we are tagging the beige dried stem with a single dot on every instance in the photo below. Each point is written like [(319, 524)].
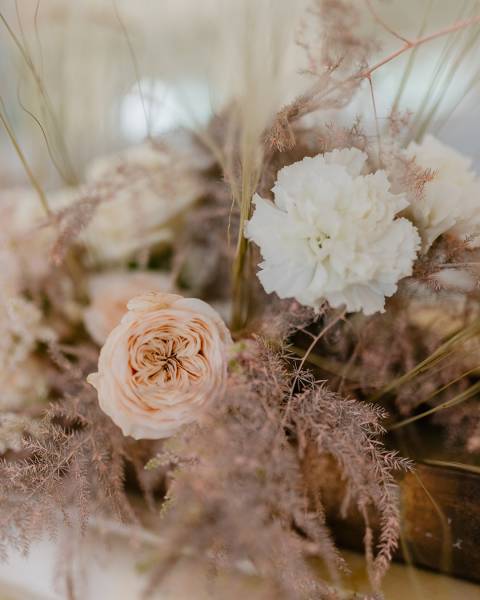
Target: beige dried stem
[(448, 348), (411, 60), (322, 90), (31, 177), (466, 48), (262, 36), (410, 44), (136, 67), (49, 116)]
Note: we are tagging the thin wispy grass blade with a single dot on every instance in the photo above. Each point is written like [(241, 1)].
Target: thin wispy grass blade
[(472, 391), (446, 349)]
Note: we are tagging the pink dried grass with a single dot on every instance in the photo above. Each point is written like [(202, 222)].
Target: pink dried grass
[(72, 467), (250, 462)]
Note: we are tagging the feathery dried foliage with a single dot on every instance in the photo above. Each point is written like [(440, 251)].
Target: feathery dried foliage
[(153, 170), (67, 472), (349, 431), (202, 257), (420, 359), (336, 58), (282, 318), (71, 464), (462, 424), (362, 356), (13, 428), (245, 470), (336, 41), (410, 177), (70, 222), (309, 141), (239, 491)]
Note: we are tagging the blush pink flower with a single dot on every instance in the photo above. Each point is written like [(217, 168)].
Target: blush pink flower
[(163, 365), (109, 295)]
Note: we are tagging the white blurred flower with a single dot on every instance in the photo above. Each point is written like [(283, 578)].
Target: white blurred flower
[(331, 234), (22, 380), (24, 242), (146, 190), (110, 293), (451, 200)]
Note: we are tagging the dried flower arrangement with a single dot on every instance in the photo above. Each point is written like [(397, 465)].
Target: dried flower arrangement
[(348, 265)]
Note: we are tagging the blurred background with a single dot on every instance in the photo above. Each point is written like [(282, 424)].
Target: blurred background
[(81, 79)]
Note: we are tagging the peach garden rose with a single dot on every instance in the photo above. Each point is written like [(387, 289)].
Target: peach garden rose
[(163, 365)]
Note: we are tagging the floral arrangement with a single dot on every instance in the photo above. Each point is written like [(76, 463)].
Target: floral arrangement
[(346, 266)]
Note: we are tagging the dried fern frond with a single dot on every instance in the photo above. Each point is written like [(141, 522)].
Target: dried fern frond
[(249, 459), (348, 431), (72, 465)]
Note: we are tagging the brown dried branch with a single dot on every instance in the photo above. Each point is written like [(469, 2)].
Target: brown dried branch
[(409, 45)]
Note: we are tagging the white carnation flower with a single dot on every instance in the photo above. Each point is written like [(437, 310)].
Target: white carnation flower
[(331, 234), (451, 200)]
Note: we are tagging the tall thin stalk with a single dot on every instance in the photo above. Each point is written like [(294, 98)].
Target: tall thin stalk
[(263, 46), (31, 177), (48, 112), (445, 350)]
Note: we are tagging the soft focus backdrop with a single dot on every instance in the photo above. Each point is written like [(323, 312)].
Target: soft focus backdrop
[(117, 71)]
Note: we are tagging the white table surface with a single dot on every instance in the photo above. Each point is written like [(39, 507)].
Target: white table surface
[(111, 568)]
